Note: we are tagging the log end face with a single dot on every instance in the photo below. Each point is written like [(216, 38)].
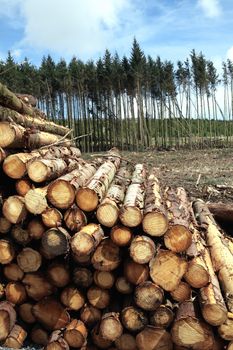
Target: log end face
[(35, 202), (61, 194), (131, 216), (107, 214), (14, 209), (178, 238), (214, 314), (14, 167), (7, 134), (87, 199), (37, 171), (155, 224), (197, 276)]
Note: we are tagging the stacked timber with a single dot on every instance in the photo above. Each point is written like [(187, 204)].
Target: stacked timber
[(98, 255)]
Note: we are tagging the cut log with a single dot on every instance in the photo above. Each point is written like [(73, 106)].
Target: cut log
[(182, 293), (72, 298), (142, 249), (123, 286), (133, 319), (148, 296), (155, 222), (106, 256), (36, 228), (55, 242), (230, 346), (88, 197), (15, 164), (25, 313), (75, 219), (51, 217), (108, 211), (167, 269), (5, 225), (163, 316), (126, 342), (20, 235), (13, 272), (7, 319), (75, 334), (14, 209), (11, 135), (136, 273), (189, 330), (98, 340), (28, 99), (61, 192), (104, 279), (121, 235), (29, 260), (90, 315), (51, 314), (3, 154), (16, 338), (221, 255), (110, 326), (15, 293), (178, 236), (58, 274), (35, 200), (57, 342), (98, 297), (152, 338), (87, 239), (28, 121), (7, 252), (225, 330), (22, 187), (82, 277), (221, 212), (39, 336), (37, 286)]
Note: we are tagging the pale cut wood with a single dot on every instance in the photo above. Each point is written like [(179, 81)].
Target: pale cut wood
[(182, 293), (90, 315), (14, 209), (123, 286), (22, 187), (52, 217), (142, 249), (20, 235), (35, 200), (133, 319), (121, 235), (7, 319), (82, 277), (25, 313), (107, 256), (15, 293), (58, 274), (39, 336), (135, 273), (98, 297), (11, 135), (36, 228), (225, 330), (148, 296), (56, 341), (75, 334), (221, 255), (189, 331), (7, 252), (75, 219), (230, 346), (5, 225), (87, 239), (110, 326), (178, 236), (163, 316), (51, 314), (98, 340), (104, 279), (3, 154), (29, 260), (72, 298), (152, 338), (16, 338), (37, 286), (126, 342), (13, 272), (155, 222), (55, 242), (167, 269)]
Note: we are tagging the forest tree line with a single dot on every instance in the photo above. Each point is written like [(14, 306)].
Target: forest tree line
[(134, 102)]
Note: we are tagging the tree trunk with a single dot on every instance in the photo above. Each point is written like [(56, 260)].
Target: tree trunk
[(178, 237), (163, 316), (182, 292), (52, 217), (98, 297), (75, 218), (221, 256), (155, 222), (189, 330), (133, 319), (72, 298), (16, 338), (136, 273), (107, 256), (89, 196), (9, 115), (104, 279), (142, 249), (35, 200), (152, 338), (167, 269), (75, 334), (121, 235), (29, 260), (55, 242), (22, 187), (148, 296), (14, 209), (15, 293), (87, 239)]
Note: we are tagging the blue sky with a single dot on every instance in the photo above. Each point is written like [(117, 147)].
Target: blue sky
[(85, 28)]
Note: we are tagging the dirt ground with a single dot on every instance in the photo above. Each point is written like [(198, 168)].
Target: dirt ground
[(200, 172)]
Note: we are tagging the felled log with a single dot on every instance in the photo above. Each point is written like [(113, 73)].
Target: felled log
[(225, 330), (28, 99), (163, 316), (133, 319), (123, 286), (37, 286), (221, 211), (7, 319), (104, 279), (35, 200), (55, 242), (20, 235), (52, 217), (15, 293), (58, 274), (13, 272), (75, 334), (142, 249), (221, 256), (39, 336), (5, 225), (28, 121), (135, 273), (126, 342), (14, 209), (182, 292), (25, 312), (98, 297), (36, 228), (107, 256), (131, 211), (178, 236), (7, 251), (72, 298), (16, 338), (89, 196), (87, 239), (148, 296), (98, 340), (151, 338), (75, 218), (29, 260), (155, 222), (121, 235), (82, 277), (22, 187), (90, 315), (16, 136), (56, 341), (108, 211), (110, 326)]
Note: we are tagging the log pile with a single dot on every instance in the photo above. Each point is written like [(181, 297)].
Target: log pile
[(98, 255)]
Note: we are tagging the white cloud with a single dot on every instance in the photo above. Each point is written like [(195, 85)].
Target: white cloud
[(211, 8), (230, 53), (16, 53)]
